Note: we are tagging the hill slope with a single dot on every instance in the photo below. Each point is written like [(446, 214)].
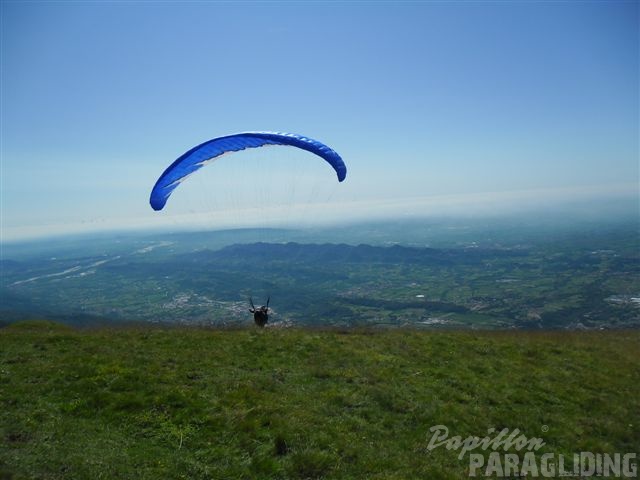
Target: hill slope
[(192, 403)]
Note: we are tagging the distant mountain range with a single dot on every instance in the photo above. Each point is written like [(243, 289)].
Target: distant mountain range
[(496, 281)]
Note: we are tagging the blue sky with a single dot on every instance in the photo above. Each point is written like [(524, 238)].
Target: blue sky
[(424, 101)]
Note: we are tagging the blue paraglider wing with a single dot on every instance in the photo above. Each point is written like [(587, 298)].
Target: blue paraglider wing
[(206, 152)]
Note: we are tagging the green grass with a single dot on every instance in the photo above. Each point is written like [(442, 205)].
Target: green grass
[(156, 403)]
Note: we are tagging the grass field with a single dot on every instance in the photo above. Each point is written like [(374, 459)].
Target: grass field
[(170, 403)]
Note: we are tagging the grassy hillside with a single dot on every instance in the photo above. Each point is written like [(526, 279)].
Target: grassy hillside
[(151, 403)]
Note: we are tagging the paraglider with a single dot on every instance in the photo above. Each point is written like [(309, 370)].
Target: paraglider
[(260, 315), (209, 151)]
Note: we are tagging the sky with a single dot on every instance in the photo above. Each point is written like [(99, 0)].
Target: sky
[(434, 106)]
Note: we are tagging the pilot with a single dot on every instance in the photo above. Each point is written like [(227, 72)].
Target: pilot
[(260, 315)]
